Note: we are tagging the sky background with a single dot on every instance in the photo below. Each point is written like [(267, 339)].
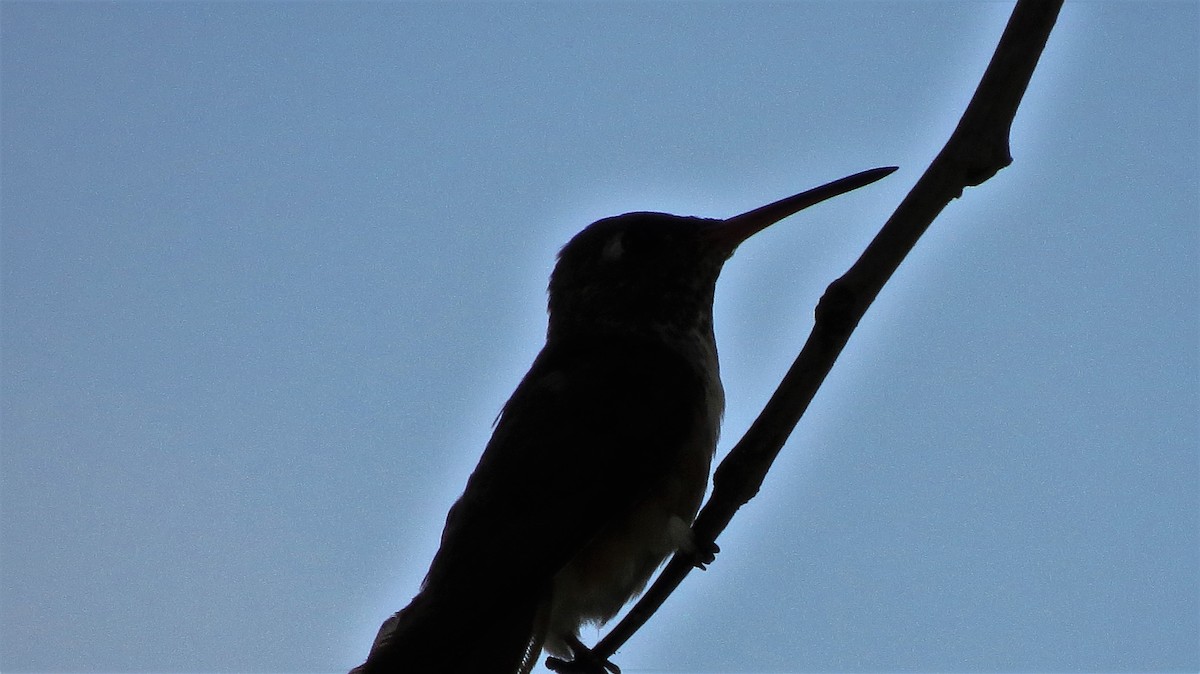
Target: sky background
[(269, 271)]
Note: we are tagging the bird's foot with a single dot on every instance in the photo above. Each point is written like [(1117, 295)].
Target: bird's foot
[(704, 554), (583, 661), (699, 551)]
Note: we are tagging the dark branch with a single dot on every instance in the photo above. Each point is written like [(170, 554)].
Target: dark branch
[(977, 150)]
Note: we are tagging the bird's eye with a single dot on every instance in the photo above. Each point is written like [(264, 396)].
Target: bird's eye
[(614, 248)]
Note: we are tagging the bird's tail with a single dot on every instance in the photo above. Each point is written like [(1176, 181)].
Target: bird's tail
[(438, 635)]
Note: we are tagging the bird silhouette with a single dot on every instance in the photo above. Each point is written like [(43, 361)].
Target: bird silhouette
[(598, 462)]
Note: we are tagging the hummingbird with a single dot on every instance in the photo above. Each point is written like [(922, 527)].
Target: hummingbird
[(598, 462)]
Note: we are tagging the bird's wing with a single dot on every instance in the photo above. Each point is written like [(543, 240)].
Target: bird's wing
[(591, 429)]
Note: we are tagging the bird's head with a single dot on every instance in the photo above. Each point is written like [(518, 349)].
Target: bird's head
[(654, 271)]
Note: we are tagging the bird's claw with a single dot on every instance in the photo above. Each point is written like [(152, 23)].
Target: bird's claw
[(704, 554), (583, 661)]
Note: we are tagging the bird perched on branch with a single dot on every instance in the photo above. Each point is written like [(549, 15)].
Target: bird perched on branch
[(599, 460)]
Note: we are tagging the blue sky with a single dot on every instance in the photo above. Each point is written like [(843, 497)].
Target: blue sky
[(269, 270)]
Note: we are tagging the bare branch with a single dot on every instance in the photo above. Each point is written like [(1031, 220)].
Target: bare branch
[(977, 150)]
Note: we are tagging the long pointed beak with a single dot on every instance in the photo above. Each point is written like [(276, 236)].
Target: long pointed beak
[(731, 232)]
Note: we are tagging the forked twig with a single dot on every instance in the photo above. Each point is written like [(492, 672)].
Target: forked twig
[(977, 150)]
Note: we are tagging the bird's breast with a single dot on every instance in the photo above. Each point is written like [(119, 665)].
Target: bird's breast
[(616, 564)]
